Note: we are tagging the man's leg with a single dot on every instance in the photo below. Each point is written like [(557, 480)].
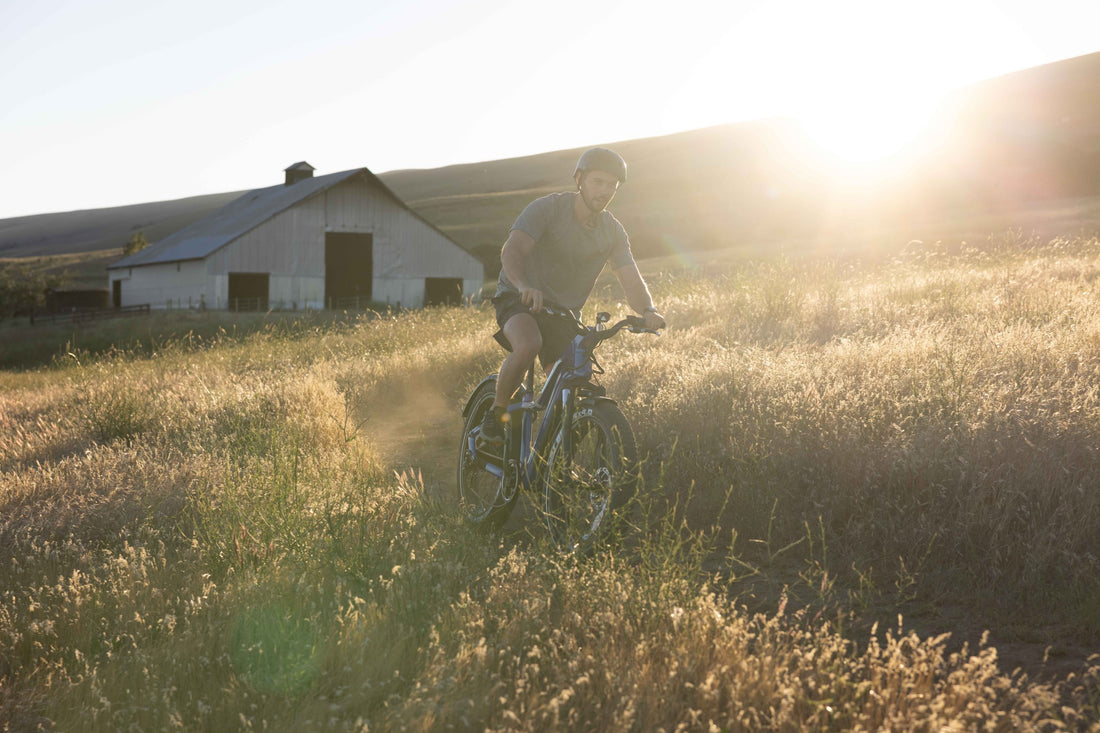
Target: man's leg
[(522, 333)]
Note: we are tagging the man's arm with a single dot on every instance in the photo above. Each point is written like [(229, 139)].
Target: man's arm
[(637, 295), (513, 258)]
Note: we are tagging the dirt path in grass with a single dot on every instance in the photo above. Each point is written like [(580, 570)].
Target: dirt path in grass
[(417, 430)]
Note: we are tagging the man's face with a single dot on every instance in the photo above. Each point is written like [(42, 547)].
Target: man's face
[(597, 189)]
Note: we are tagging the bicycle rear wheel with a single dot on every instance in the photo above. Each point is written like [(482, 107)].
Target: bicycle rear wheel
[(485, 499), (580, 495)]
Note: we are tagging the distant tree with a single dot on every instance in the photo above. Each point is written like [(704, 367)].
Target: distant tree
[(137, 243), (23, 287)]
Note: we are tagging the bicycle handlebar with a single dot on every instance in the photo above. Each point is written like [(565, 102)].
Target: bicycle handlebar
[(634, 324), (553, 309)]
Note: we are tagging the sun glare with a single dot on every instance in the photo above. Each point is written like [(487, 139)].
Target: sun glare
[(861, 137), (862, 93)]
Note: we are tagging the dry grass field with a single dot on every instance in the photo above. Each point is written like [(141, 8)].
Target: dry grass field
[(870, 502)]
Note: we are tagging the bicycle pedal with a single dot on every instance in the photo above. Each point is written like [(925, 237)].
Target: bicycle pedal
[(489, 448)]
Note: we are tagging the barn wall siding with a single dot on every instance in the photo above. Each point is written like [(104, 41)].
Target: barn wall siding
[(290, 243), (171, 285)]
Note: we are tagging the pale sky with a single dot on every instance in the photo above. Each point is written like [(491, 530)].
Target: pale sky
[(113, 102)]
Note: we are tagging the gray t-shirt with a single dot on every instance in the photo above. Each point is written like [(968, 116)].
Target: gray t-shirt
[(568, 256)]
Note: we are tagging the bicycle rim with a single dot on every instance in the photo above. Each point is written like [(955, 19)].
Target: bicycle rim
[(579, 499), (480, 494)]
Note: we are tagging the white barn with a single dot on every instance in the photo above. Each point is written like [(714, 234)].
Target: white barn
[(330, 241)]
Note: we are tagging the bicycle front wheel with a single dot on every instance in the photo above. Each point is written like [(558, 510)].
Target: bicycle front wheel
[(581, 491), (482, 495)]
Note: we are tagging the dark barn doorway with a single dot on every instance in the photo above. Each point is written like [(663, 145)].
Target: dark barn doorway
[(248, 291), (442, 291), (116, 294), (348, 269)]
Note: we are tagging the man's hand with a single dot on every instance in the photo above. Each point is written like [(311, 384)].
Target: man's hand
[(532, 298), (654, 321)]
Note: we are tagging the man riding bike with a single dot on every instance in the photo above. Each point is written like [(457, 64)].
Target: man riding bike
[(554, 253)]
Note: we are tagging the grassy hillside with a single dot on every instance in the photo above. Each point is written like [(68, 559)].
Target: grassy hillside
[(256, 528), (74, 232), (1017, 151), (82, 244)]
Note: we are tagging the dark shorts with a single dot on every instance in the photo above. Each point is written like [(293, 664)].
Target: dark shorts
[(556, 331)]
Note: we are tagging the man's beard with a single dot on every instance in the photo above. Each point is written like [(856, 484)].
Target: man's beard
[(594, 205)]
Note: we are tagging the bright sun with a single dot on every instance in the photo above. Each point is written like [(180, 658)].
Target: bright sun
[(861, 133), (856, 75)]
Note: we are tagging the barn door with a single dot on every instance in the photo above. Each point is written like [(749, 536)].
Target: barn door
[(442, 291), (348, 269), (248, 291)]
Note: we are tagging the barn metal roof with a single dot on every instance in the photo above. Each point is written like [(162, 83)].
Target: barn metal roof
[(239, 216)]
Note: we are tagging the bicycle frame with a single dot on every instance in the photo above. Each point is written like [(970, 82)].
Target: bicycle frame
[(557, 400), (557, 397)]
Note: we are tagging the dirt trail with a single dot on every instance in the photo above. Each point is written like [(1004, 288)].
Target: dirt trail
[(418, 429)]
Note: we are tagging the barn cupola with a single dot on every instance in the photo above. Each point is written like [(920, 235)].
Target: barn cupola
[(298, 172)]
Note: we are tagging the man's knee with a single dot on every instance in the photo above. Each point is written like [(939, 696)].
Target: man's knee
[(527, 350), (523, 333)]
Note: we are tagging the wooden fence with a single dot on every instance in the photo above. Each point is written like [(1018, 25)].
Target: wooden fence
[(87, 316)]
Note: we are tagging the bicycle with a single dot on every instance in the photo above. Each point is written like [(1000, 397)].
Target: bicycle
[(586, 472)]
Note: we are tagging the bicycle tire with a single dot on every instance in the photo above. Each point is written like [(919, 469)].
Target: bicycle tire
[(482, 498), (577, 506)]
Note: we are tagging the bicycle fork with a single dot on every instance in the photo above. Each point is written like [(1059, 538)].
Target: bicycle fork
[(567, 428)]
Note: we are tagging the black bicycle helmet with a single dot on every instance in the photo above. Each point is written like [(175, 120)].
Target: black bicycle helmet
[(602, 159)]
